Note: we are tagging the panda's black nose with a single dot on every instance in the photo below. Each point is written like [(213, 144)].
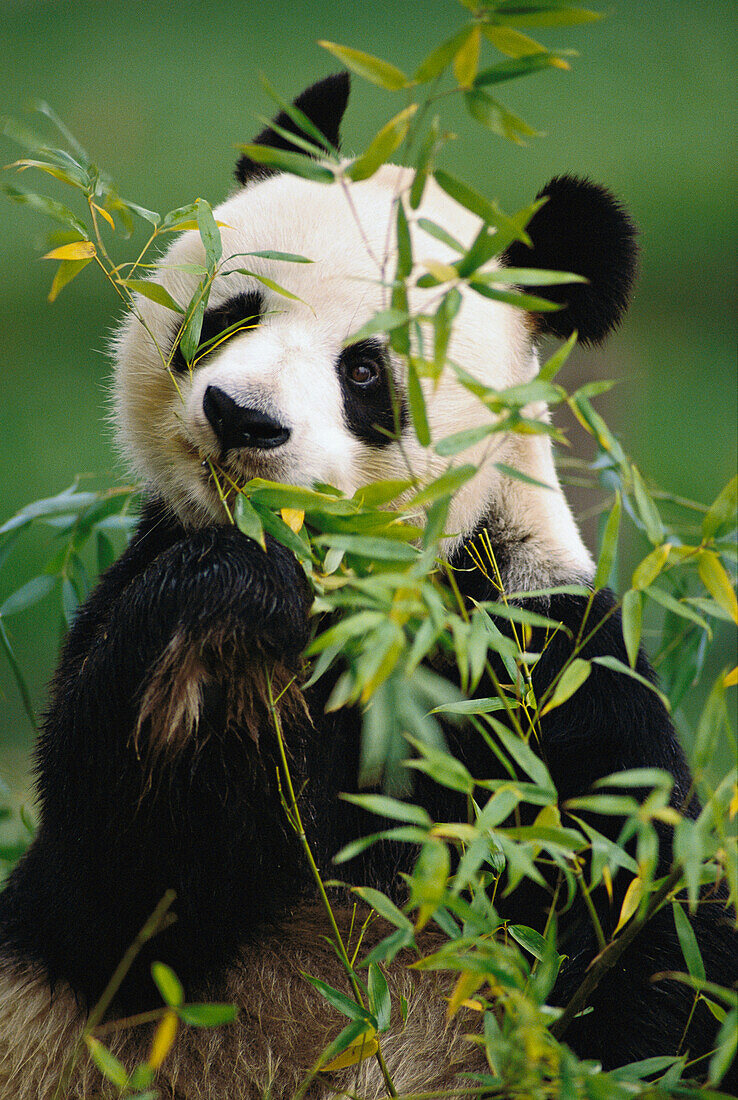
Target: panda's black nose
[(237, 426)]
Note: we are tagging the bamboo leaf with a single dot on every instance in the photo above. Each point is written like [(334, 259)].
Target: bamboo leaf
[(168, 984), (647, 509), (363, 1046), (371, 68), (28, 594), (163, 1040), (296, 164), (569, 682), (382, 146), (154, 291), (207, 1015), (688, 942), (649, 569), (439, 60), (632, 620), (721, 516), (631, 901), (107, 1063), (416, 401), (66, 271), (609, 546), (466, 61), (717, 582), (76, 250)]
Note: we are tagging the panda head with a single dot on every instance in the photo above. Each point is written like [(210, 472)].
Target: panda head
[(288, 399)]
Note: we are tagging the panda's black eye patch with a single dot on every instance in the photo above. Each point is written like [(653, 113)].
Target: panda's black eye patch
[(241, 312), (374, 411)]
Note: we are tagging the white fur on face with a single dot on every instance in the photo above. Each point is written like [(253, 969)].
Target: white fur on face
[(287, 366)]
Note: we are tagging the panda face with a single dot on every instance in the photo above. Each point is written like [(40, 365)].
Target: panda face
[(289, 396)]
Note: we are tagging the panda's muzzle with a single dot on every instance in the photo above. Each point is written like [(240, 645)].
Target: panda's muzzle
[(237, 426)]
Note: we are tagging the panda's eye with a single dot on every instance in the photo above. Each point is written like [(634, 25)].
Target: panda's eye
[(363, 372)]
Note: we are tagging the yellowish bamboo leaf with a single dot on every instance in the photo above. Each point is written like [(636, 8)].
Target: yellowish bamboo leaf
[(77, 250), (468, 982), (607, 879), (293, 517), (445, 273), (466, 62), (631, 901), (733, 807), (103, 214), (717, 582), (164, 1037), (364, 1047), (731, 678), (648, 570), (66, 271)]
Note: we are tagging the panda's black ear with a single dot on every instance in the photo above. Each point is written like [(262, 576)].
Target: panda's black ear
[(323, 103), (582, 228)]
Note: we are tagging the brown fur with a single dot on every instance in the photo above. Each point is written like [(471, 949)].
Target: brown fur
[(282, 1027), (170, 707)]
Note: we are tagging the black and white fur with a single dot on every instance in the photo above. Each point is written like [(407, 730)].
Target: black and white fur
[(157, 764)]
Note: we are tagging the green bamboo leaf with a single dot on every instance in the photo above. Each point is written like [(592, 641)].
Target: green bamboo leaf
[(271, 254), (688, 942), (444, 485), (677, 607), (385, 321), (380, 1002), (609, 545), (461, 441), (472, 200), (189, 339), (383, 549), (517, 67), (466, 61), (532, 276), (350, 1035), (721, 517), (518, 475), (50, 207), (404, 245), (296, 164), (168, 984), (384, 806), (511, 42), (647, 510), (497, 118), (513, 14), (529, 302), (270, 284), (717, 582), (28, 594), (154, 291), (383, 906), (632, 621), (304, 124), (174, 218), (439, 60), (648, 570), (18, 676), (569, 682), (370, 68), (617, 666), (423, 163), (726, 1048), (209, 234), (107, 1063), (416, 401), (383, 145), (207, 1015)]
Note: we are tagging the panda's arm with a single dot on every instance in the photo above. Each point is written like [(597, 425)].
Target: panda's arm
[(125, 818)]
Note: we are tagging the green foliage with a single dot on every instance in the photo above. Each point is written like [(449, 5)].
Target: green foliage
[(391, 604)]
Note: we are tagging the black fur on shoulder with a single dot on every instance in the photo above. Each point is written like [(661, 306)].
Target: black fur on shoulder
[(324, 103), (583, 229)]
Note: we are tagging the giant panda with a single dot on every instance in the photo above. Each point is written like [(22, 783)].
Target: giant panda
[(157, 763)]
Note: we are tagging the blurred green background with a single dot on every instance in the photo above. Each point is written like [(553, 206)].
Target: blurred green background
[(159, 93)]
